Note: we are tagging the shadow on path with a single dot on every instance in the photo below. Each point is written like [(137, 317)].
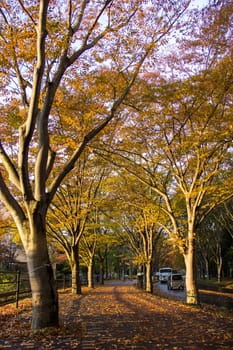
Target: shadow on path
[(124, 317), (119, 316)]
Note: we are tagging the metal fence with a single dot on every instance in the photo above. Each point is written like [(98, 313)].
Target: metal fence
[(13, 287)]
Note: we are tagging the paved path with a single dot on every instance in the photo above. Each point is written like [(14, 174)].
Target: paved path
[(125, 318), (119, 317)]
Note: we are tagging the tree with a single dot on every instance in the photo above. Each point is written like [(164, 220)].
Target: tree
[(72, 210), (98, 240), (8, 251), (214, 243), (87, 251), (182, 159), (47, 43), (143, 232), (180, 144), (224, 216), (138, 219)]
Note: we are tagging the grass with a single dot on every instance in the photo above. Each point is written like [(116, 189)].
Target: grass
[(225, 283)]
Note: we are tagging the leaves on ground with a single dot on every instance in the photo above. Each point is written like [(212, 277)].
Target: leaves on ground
[(117, 317)]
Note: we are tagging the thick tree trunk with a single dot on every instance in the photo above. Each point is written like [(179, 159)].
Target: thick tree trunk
[(42, 281), (76, 282), (191, 283)]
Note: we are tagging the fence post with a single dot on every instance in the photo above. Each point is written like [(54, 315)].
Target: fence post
[(17, 288)]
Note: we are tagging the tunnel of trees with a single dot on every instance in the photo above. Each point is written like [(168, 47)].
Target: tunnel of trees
[(116, 141)]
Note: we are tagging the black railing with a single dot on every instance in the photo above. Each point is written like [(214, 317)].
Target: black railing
[(13, 287)]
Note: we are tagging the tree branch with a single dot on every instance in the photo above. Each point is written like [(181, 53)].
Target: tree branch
[(9, 166), (95, 131), (10, 202)]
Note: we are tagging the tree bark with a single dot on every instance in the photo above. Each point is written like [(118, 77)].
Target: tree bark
[(191, 283), (76, 282), (90, 275), (44, 293), (207, 267), (42, 281), (219, 265), (149, 286)]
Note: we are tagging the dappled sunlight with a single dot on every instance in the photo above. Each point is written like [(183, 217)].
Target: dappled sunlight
[(118, 317)]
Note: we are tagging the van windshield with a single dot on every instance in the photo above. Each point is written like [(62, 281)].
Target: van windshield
[(165, 270), (177, 277)]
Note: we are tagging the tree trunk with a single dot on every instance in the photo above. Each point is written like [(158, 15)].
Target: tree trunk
[(42, 281), (207, 268), (90, 275), (76, 282), (191, 283), (101, 279), (149, 287), (219, 266)]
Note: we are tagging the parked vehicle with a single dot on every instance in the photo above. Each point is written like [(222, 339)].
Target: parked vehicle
[(175, 281), (164, 272)]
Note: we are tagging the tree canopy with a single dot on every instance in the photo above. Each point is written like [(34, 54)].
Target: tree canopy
[(145, 87)]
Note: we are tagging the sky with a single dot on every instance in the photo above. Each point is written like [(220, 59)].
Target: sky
[(199, 3)]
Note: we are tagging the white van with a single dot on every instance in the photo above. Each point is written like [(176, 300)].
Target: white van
[(175, 281), (164, 272)]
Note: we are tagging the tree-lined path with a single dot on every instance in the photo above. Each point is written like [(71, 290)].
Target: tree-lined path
[(122, 317)]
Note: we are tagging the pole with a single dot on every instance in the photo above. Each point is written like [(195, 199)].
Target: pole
[(17, 288)]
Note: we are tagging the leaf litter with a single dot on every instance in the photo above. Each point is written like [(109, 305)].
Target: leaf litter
[(118, 317)]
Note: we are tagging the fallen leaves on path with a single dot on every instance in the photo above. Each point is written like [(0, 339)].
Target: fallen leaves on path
[(117, 317)]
